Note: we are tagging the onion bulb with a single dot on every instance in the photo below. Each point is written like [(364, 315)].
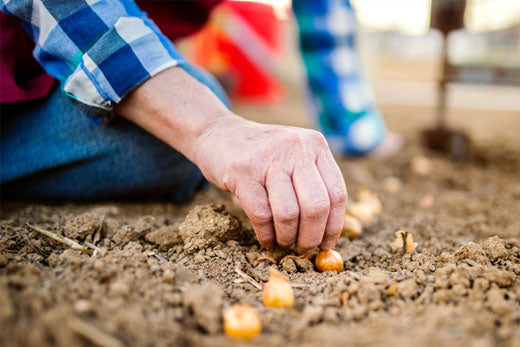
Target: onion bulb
[(241, 322), (351, 227), (277, 291), (329, 261)]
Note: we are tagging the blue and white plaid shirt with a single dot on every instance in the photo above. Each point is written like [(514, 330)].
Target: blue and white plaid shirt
[(344, 104), (98, 49)]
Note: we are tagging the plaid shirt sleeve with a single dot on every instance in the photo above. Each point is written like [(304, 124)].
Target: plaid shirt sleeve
[(99, 49), (328, 46)]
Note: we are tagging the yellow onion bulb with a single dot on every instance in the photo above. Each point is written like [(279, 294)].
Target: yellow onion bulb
[(329, 261), (391, 184), (361, 210), (277, 291), (371, 199), (241, 322), (351, 227)]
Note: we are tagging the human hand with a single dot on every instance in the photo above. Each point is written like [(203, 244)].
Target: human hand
[(284, 177)]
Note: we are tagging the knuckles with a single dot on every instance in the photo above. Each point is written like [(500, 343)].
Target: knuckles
[(287, 215), (285, 239), (338, 196), (317, 139), (315, 209), (261, 216)]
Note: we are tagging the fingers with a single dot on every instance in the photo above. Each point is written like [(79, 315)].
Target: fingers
[(284, 207), (314, 207), (254, 201), (337, 191)]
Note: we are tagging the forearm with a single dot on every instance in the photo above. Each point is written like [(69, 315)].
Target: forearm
[(177, 109)]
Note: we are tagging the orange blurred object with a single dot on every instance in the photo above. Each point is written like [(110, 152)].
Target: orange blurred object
[(240, 45)]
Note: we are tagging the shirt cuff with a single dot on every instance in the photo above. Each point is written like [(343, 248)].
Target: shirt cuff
[(121, 59)]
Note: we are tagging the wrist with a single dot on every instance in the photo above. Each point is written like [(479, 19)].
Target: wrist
[(176, 108)]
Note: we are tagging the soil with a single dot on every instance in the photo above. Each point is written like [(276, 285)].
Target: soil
[(163, 273)]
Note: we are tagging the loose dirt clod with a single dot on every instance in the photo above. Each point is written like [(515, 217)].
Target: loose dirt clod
[(165, 237), (207, 226), (473, 252), (495, 248), (134, 231), (205, 301), (79, 227)]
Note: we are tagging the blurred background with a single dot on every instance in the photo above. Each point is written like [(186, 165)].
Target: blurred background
[(252, 47)]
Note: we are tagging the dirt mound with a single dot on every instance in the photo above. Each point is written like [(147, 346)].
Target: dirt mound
[(163, 273), (168, 284)]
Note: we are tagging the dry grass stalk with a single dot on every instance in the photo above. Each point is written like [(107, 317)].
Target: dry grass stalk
[(71, 243), (248, 278)]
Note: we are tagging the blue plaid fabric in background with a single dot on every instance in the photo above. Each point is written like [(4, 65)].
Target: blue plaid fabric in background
[(344, 106), (98, 49)]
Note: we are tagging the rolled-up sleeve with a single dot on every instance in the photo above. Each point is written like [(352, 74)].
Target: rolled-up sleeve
[(98, 50)]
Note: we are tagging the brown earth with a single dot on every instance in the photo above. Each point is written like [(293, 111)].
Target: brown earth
[(163, 274)]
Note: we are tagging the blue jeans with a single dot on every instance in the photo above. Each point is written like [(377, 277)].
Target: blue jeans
[(50, 151)]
